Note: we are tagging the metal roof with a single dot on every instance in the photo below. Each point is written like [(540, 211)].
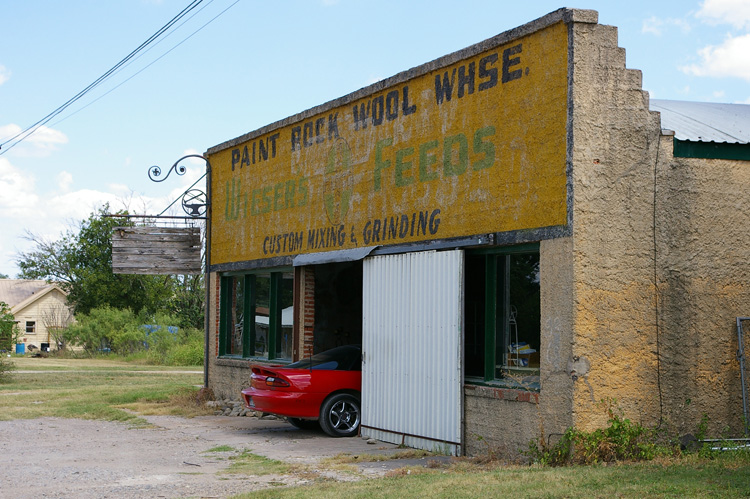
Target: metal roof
[(15, 291), (704, 121)]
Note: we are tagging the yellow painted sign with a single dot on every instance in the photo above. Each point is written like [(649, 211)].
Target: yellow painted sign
[(475, 147)]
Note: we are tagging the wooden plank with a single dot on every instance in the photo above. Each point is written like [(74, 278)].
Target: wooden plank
[(156, 250), (182, 238), (158, 230)]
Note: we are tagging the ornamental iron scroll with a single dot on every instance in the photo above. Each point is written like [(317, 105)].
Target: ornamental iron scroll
[(194, 201)]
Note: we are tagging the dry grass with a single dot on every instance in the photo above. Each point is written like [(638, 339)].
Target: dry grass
[(92, 389)]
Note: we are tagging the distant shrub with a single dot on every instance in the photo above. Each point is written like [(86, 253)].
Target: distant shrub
[(149, 339), (106, 329), (189, 349), (6, 368)]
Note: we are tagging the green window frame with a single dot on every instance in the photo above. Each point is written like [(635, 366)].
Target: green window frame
[(503, 309), (256, 315)]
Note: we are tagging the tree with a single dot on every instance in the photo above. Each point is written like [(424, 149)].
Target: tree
[(4, 276), (187, 300), (9, 332), (81, 261), (56, 320)]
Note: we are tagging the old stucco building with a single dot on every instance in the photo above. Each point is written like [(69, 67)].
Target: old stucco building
[(508, 231)]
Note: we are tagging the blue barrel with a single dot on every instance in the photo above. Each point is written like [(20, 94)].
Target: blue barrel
[(21, 348)]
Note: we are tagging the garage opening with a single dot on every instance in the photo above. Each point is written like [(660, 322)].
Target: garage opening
[(338, 305)]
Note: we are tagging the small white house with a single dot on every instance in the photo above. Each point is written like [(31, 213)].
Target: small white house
[(40, 308)]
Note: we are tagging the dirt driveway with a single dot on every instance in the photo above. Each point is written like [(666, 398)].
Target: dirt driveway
[(63, 458)]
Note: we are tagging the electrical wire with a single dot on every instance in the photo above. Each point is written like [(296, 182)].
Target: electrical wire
[(657, 329), (25, 133), (147, 65)]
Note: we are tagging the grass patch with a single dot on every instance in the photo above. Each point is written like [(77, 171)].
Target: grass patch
[(709, 479), (221, 448), (247, 463), (374, 458), (96, 389)]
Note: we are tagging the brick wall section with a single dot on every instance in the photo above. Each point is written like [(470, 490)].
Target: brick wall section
[(308, 310), (215, 332), (508, 394)]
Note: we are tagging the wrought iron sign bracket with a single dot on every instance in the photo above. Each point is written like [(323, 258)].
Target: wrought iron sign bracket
[(194, 201)]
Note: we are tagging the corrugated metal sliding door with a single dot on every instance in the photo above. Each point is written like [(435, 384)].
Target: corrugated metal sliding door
[(412, 349)]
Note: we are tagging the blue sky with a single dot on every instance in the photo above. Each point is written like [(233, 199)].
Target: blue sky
[(215, 78)]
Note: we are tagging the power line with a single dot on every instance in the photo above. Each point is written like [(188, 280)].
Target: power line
[(20, 136), (149, 64)]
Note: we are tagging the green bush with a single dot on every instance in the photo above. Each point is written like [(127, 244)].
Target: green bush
[(149, 339), (106, 329), (9, 331), (622, 440), (189, 349)]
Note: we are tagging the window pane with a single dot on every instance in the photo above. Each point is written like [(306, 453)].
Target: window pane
[(236, 317), (519, 336), (262, 313), (474, 316), (286, 307)]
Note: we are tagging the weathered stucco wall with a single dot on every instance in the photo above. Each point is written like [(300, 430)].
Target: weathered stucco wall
[(557, 361), (703, 226), (614, 143)]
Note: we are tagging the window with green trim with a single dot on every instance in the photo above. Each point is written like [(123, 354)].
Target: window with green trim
[(257, 315), (502, 316)]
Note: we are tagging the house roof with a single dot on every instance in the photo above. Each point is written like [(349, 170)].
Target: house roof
[(18, 293), (705, 121)]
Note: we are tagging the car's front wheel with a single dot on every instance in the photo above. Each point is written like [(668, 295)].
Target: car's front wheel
[(340, 415)]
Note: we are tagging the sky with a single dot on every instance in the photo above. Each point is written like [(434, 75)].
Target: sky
[(233, 66)]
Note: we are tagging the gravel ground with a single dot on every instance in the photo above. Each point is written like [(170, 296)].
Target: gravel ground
[(63, 458)]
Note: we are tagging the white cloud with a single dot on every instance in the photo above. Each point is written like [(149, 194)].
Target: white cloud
[(733, 12), (39, 144), (4, 74), (652, 25), (77, 205), (64, 181), (731, 58), (17, 196), (656, 26), (45, 214)]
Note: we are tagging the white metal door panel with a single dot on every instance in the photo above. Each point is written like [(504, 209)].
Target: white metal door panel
[(412, 349)]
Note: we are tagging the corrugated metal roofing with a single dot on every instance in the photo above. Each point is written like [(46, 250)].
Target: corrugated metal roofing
[(705, 121)]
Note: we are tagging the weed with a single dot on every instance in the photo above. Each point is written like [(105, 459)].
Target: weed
[(702, 427), (622, 440)]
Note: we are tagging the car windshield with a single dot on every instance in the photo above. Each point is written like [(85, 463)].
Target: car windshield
[(346, 358)]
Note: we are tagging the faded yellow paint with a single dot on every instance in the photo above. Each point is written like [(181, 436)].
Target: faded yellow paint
[(490, 159)]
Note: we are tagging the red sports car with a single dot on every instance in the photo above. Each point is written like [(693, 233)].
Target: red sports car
[(324, 389)]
